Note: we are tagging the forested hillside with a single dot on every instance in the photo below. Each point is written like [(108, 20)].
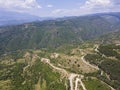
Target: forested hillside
[(54, 33)]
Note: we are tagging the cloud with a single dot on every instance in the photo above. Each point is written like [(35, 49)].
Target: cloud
[(19, 4), (49, 6), (98, 2), (97, 6), (84, 7), (89, 7), (91, 4), (58, 11)]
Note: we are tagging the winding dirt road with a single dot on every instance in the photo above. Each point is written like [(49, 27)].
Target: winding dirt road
[(78, 79), (63, 71), (74, 79), (71, 79), (87, 63), (71, 76)]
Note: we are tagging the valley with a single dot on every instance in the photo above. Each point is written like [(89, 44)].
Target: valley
[(71, 53)]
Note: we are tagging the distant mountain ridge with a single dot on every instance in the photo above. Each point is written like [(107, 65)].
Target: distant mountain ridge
[(14, 18)]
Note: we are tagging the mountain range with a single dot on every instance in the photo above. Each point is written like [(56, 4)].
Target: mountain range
[(60, 54), (54, 33), (16, 18)]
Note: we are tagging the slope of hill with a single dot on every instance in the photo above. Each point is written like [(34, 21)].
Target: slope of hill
[(107, 57), (86, 66), (53, 70), (113, 37)]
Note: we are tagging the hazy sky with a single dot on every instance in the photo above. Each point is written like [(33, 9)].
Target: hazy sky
[(48, 8)]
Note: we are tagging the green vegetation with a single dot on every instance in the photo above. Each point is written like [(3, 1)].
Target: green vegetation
[(17, 79), (109, 61), (94, 84), (45, 73), (112, 68), (110, 50), (94, 58)]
